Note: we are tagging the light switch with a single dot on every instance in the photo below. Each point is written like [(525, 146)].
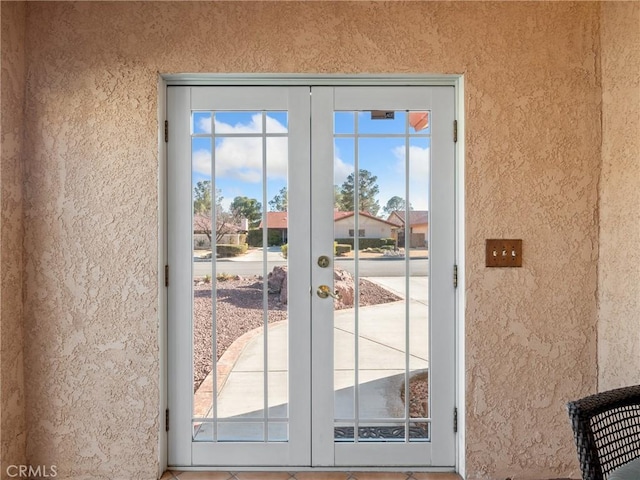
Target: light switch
[(504, 253)]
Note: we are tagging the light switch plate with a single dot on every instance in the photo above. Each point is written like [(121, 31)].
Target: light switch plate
[(504, 252)]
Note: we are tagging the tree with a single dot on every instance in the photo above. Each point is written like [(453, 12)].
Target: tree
[(249, 208), (279, 203), (367, 192), (337, 197), (395, 203), (202, 212), (202, 197)]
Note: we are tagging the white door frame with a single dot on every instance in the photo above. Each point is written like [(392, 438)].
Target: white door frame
[(457, 81)]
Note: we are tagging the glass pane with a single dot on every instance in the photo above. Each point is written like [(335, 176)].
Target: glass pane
[(240, 295), (278, 432), (344, 316), (201, 123), (277, 122), (382, 122), (230, 123), (419, 432), (420, 122), (277, 289), (419, 168), (240, 432), (344, 122), (241, 339), (202, 431), (201, 159)]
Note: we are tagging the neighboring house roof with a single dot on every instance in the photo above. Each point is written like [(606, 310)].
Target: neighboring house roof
[(337, 215), (279, 219), (416, 217), (276, 220)]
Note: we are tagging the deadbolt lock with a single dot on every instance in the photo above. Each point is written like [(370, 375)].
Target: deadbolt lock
[(323, 261)]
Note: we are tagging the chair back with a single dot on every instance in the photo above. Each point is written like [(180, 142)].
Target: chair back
[(606, 427)]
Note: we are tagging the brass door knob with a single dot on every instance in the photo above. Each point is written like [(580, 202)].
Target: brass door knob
[(325, 292)]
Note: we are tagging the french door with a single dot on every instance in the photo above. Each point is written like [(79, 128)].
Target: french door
[(311, 252)]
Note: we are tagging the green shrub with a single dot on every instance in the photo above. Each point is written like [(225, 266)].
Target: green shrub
[(254, 238), (225, 250), (342, 249), (389, 241), (364, 242), (274, 237), (223, 277), (284, 248)]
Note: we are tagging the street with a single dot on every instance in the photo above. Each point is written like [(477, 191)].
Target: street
[(387, 267)]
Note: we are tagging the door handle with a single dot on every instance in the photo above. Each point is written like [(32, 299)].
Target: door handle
[(324, 292)]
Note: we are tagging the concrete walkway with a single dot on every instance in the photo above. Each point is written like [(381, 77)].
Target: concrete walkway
[(274, 254), (382, 362)]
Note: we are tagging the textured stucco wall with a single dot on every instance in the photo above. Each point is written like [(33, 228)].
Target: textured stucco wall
[(12, 394), (533, 153), (619, 260)]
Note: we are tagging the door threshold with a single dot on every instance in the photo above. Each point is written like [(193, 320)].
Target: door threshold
[(309, 474)]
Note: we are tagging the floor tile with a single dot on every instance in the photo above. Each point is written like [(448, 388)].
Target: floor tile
[(171, 475), (204, 476), (322, 476), (436, 476), (379, 476), (262, 476)]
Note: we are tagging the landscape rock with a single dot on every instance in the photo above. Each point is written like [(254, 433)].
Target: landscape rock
[(276, 279), (344, 286)]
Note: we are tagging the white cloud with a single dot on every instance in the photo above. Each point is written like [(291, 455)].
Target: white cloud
[(254, 126), (240, 158), (418, 174), (201, 162), (418, 161), (204, 124), (341, 170)]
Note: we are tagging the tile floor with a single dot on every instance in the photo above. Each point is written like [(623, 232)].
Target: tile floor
[(174, 475)]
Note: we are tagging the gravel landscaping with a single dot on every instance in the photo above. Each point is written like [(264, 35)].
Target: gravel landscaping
[(239, 310), (418, 395)]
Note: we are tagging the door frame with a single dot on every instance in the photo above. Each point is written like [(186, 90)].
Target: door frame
[(457, 81)]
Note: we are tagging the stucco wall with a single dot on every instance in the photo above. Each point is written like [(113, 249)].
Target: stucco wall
[(619, 263), (533, 152), (12, 395)]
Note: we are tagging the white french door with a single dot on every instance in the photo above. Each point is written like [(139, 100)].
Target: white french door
[(311, 252)]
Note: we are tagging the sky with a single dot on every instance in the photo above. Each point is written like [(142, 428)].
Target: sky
[(238, 154)]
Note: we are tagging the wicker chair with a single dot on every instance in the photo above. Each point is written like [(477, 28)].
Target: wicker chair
[(606, 427)]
